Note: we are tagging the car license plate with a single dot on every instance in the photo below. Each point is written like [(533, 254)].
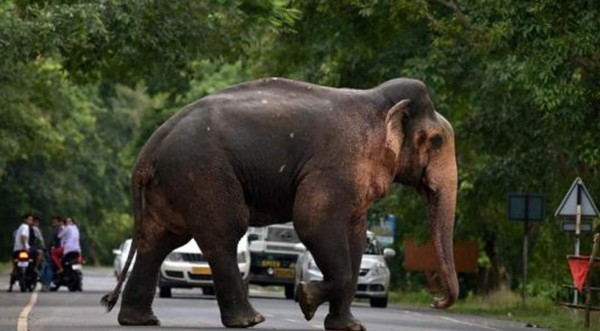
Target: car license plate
[(76, 267), (201, 271), (23, 263), (270, 264), (285, 273)]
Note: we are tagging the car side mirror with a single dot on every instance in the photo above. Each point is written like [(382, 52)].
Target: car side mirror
[(388, 253), (252, 237)]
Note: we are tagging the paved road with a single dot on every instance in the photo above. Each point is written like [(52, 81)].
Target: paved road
[(190, 310)]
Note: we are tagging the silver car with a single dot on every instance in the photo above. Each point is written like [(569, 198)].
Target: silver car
[(187, 267), (121, 254), (374, 276)]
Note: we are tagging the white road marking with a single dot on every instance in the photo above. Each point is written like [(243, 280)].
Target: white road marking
[(22, 323), (485, 327), (469, 324), (315, 326)]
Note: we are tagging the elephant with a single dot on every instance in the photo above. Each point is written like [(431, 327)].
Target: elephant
[(273, 150)]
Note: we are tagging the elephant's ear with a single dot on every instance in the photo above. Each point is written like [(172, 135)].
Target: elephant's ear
[(393, 124)]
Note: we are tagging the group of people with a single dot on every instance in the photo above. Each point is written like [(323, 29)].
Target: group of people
[(63, 240)]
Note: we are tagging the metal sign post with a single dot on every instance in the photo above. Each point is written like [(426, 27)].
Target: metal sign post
[(577, 233), (525, 260), (588, 285), (525, 207), (577, 204)]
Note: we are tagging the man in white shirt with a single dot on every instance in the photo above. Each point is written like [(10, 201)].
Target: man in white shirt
[(69, 237), (22, 234), (21, 237), (69, 241)]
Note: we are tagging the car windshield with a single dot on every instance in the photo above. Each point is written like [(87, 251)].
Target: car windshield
[(282, 234), (126, 246), (372, 247)]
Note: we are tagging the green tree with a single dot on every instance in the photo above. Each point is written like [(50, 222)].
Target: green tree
[(70, 101), (518, 80)]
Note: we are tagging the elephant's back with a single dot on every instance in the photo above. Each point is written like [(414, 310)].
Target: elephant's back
[(263, 131)]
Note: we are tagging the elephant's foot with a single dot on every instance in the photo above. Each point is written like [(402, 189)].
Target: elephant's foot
[(347, 323), (242, 318), (309, 299), (133, 317)]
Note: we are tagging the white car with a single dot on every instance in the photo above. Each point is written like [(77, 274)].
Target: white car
[(373, 278), (186, 267), (121, 257)]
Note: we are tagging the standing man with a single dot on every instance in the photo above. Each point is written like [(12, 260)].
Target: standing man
[(57, 247), (36, 242), (50, 265), (57, 227)]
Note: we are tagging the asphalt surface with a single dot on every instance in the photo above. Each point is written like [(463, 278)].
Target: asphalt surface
[(191, 310)]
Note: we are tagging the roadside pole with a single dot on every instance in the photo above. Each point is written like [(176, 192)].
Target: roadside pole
[(578, 220), (525, 207), (588, 282), (577, 234), (525, 259), (577, 209)]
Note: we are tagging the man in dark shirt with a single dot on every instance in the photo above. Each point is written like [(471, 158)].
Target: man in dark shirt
[(54, 244)]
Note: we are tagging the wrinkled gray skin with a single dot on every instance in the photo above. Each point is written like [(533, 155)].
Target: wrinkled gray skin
[(272, 150)]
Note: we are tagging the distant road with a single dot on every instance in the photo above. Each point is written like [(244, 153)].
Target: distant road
[(190, 310)]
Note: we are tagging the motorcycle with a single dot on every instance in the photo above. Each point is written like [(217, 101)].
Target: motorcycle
[(71, 277), (24, 272)]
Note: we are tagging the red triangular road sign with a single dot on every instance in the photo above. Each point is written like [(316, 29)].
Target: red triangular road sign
[(579, 269)]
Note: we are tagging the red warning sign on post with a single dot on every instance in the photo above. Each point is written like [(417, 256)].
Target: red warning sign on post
[(579, 266)]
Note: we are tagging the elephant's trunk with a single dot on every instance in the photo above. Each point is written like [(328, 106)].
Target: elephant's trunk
[(441, 218), (439, 193)]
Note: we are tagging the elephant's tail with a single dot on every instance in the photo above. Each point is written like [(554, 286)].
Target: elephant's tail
[(138, 182)]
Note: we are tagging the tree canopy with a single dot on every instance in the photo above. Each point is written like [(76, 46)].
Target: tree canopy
[(84, 83)]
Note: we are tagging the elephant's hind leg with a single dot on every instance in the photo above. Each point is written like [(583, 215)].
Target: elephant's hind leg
[(154, 244), (218, 239), (232, 293)]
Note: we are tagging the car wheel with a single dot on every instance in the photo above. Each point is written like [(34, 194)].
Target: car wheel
[(165, 292), (379, 302), (296, 298), (289, 291), (247, 286)]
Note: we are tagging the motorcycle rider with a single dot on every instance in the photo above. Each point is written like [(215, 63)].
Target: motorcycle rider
[(71, 250), (21, 237), (69, 238)]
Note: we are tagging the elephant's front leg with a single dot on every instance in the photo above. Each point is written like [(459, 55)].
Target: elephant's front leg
[(323, 220), (338, 310)]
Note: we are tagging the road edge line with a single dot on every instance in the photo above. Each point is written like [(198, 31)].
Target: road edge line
[(22, 322), (486, 327)]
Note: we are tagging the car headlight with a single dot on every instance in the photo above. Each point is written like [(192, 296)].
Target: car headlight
[(312, 265), (174, 257), (378, 269), (241, 257)]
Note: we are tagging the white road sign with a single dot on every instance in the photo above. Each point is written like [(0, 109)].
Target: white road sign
[(568, 207)]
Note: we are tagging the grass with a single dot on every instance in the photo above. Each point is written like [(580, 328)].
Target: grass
[(507, 305), (4, 266)]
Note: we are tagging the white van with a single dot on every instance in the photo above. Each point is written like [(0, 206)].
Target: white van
[(186, 267)]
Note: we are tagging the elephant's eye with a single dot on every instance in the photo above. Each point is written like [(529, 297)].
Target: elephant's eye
[(436, 141)]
